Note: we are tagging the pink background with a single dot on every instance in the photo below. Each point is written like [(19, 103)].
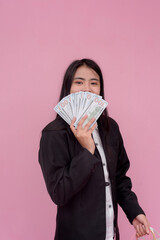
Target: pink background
[(38, 40)]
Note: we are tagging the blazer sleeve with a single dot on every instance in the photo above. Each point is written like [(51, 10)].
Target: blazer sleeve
[(64, 176), (127, 199)]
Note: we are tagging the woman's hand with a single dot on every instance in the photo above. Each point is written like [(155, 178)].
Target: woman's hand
[(141, 225), (83, 134)]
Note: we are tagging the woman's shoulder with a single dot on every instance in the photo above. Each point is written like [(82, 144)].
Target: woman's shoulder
[(113, 133), (113, 124), (56, 125)]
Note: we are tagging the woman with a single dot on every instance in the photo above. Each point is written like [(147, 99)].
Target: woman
[(85, 169)]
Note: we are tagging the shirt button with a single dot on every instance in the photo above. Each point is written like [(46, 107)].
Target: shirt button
[(104, 164), (110, 206), (106, 184), (96, 144)]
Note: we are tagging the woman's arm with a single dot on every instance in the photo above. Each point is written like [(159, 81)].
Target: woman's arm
[(64, 175), (126, 198)]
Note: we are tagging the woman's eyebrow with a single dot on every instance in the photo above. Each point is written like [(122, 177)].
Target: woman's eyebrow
[(80, 78), (95, 79)]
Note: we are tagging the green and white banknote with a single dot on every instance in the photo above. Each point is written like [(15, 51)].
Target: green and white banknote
[(80, 104)]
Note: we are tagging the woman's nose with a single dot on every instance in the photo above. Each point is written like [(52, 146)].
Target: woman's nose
[(87, 88)]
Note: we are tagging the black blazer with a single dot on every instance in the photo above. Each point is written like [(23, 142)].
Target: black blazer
[(75, 181)]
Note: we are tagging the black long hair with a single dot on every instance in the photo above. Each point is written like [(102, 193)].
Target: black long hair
[(67, 82)]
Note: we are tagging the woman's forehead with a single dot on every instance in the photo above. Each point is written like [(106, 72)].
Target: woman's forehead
[(85, 71)]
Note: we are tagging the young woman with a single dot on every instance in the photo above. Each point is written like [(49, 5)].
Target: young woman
[(85, 169)]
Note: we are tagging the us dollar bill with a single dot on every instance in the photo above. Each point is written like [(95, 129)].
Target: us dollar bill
[(78, 105)]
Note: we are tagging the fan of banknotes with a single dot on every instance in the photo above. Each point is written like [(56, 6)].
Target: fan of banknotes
[(78, 105)]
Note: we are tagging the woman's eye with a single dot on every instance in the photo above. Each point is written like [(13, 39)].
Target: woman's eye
[(78, 82), (94, 83)]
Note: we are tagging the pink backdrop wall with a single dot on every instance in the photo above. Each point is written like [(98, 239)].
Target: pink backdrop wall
[(38, 39)]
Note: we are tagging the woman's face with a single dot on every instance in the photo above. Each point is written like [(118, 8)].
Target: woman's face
[(85, 79)]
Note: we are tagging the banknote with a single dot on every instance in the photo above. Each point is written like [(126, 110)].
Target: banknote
[(65, 106), (62, 114), (78, 105), (94, 110)]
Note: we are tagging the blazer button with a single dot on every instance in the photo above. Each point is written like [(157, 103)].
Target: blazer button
[(107, 184)]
